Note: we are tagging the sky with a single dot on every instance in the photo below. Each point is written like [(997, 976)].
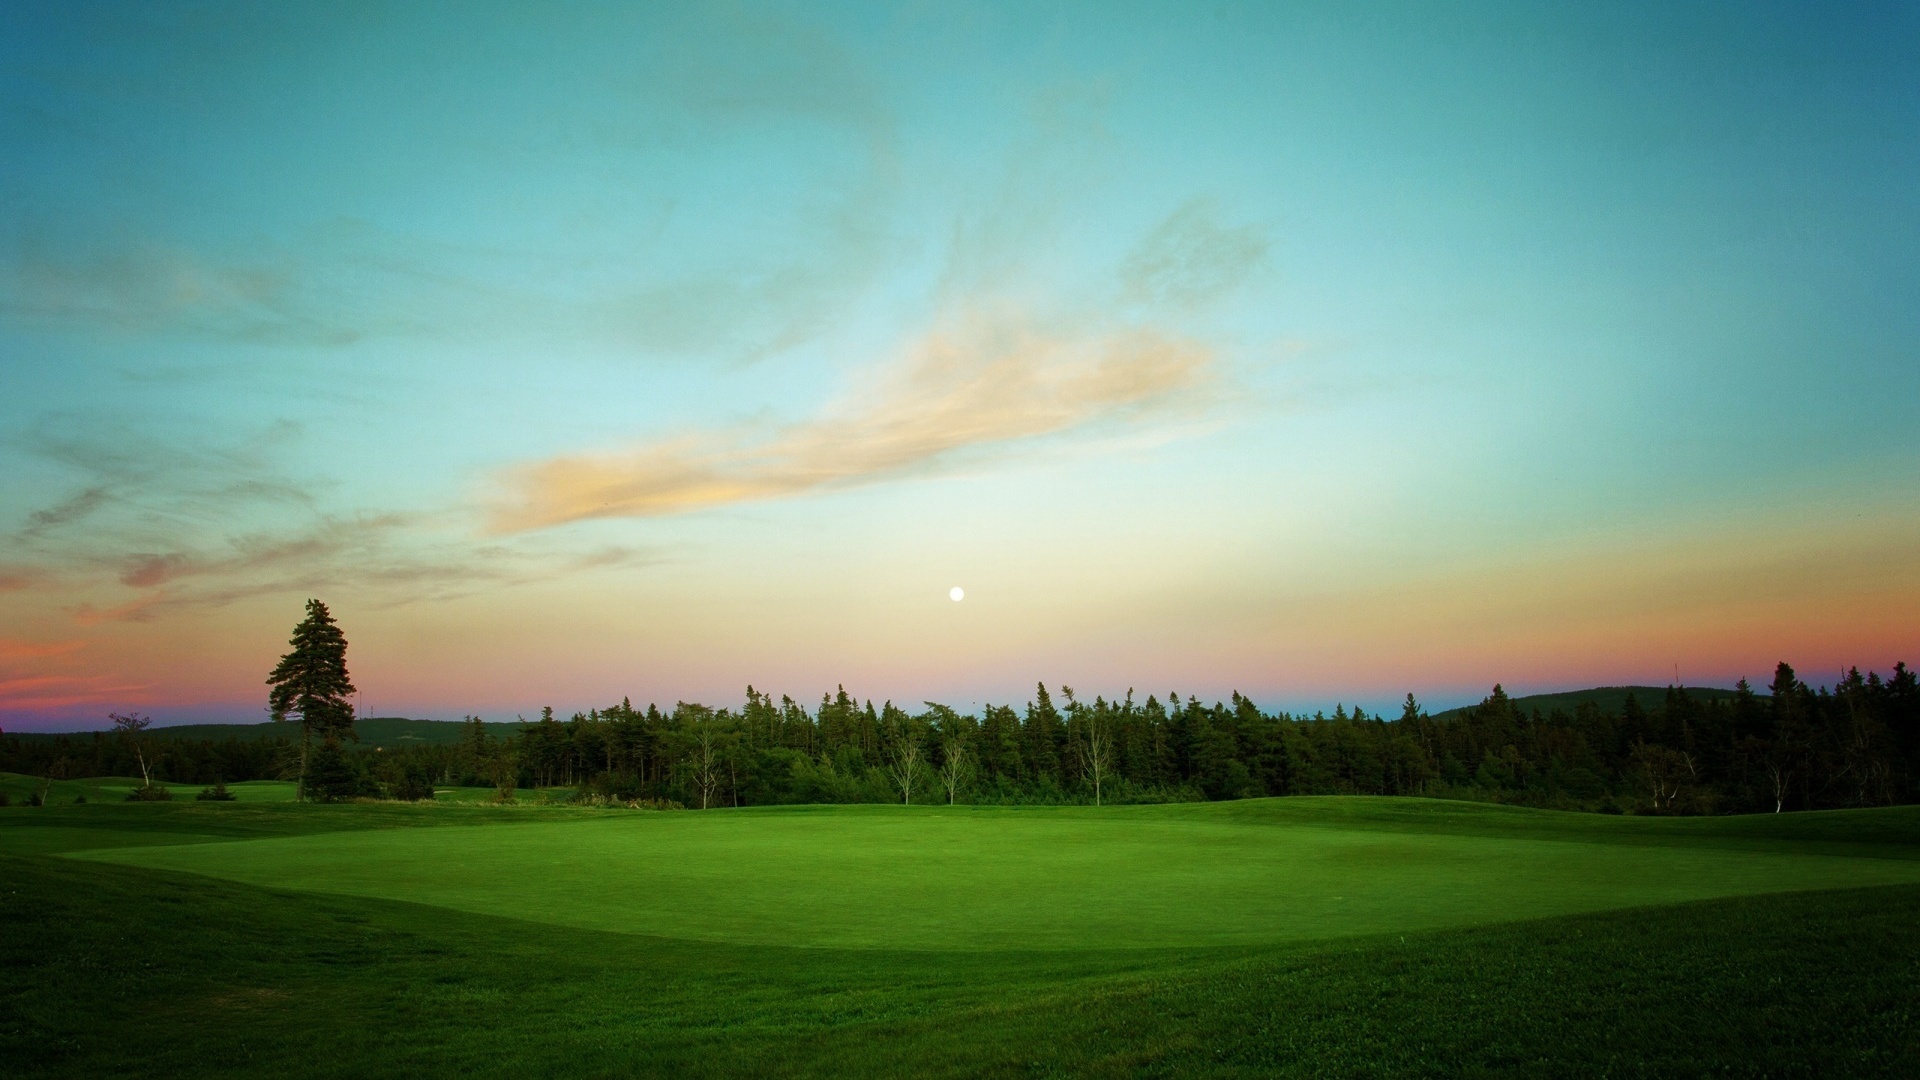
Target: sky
[(1322, 353)]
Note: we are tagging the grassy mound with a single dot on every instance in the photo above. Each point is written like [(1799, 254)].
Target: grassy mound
[(1199, 950), (1031, 878)]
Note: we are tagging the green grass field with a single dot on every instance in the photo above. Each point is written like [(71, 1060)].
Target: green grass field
[(1010, 878), (116, 789), (1272, 937)]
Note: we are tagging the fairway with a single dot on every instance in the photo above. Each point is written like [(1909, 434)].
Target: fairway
[(1042, 878), (117, 788)]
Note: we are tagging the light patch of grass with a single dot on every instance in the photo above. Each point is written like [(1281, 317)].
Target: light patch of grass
[(98, 789), (942, 878)]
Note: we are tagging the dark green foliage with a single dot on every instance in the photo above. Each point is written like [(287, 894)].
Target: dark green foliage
[(1680, 751), (180, 761), (311, 681), (151, 793), (408, 779), (1608, 699), (1709, 754), (370, 731), (333, 777), (217, 793)]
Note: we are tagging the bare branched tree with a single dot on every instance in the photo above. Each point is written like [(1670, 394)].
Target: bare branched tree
[(704, 763), (1668, 772), (956, 748), (1094, 744), (956, 765), (903, 765), (132, 730), (905, 750), (1782, 778)]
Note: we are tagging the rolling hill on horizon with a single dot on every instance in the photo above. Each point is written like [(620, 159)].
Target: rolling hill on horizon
[(373, 731), (1609, 699), (405, 731)]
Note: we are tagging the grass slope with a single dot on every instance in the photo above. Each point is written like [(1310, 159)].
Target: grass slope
[(1021, 878), (115, 969), (95, 789)]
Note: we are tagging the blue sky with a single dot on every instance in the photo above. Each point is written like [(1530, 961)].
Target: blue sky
[(1319, 353)]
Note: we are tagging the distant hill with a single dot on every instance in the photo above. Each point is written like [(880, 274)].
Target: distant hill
[(401, 731), (1609, 699), (373, 731)]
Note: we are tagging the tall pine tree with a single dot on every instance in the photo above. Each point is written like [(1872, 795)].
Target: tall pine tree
[(312, 681)]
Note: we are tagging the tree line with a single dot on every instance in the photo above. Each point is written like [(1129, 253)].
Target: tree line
[(1856, 743), (168, 759)]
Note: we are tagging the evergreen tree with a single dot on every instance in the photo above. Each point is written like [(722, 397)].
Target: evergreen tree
[(312, 681), (1045, 733), (332, 777), (1000, 746)]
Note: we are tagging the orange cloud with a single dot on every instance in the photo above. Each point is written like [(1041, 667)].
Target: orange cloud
[(34, 675), (986, 386), (145, 571), (15, 649), (62, 691), (139, 609)]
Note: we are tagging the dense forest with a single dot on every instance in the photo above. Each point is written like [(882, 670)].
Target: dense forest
[(1856, 743), (173, 760)]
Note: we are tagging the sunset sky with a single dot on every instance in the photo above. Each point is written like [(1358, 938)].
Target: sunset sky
[(572, 353)]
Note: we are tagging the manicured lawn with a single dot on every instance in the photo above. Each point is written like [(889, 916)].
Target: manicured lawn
[(116, 789), (1189, 940), (1015, 878)]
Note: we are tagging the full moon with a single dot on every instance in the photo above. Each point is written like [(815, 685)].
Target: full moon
[(957, 593)]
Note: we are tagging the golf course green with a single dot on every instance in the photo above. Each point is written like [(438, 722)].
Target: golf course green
[(1278, 937), (1016, 878)]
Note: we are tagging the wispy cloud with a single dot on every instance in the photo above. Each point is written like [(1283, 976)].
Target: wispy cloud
[(62, 691), (71, 509), (386, 562), (988, 384), (18, 649), (156, 527), (1193, 257), (128, 468), (42, 675), (142, 285), (389, 560), (651, 280)]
